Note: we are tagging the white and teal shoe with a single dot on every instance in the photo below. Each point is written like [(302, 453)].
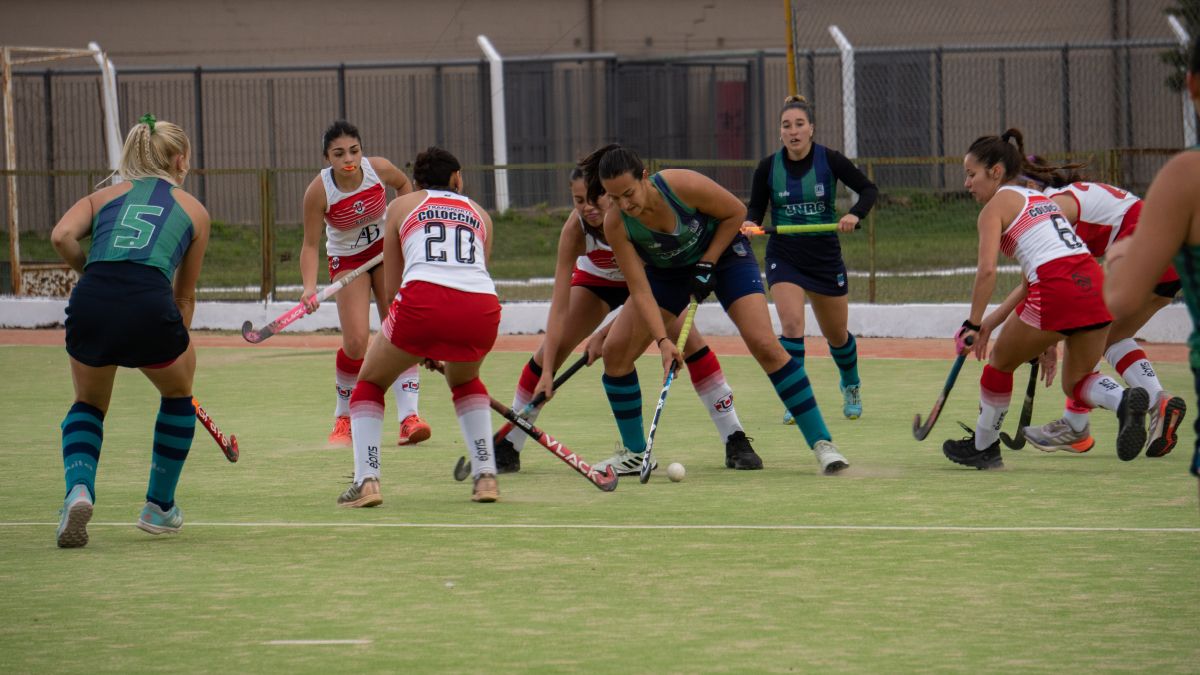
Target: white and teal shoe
[(76, 512), (829, 458), (625, 463), (787, 417), (156, 521), (851, 401)]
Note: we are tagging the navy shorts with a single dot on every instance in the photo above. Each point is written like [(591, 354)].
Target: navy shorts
[(124, 314), (613, 296), (736, 271), (812, 262)]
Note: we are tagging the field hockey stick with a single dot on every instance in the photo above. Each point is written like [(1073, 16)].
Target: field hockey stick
[(647, 458), (605, 480), (228, 444), (792, 229), (920, 431), (462, 469), (290, 316), (1026, 411)]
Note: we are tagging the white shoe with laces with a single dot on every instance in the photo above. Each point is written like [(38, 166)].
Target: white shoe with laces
[(625, 463), (829, 458)]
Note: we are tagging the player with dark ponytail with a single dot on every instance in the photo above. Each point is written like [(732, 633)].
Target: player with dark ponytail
[(1061, 296), (675, 236)]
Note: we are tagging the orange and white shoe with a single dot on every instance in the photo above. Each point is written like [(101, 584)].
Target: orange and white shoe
[(1165, 417), (413, 430), (1058, 435), (340, 436)]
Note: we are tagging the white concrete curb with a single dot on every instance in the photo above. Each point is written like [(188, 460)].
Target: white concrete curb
[(1170, 325)]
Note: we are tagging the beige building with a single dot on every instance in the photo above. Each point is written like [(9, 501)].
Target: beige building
[(276, 32)]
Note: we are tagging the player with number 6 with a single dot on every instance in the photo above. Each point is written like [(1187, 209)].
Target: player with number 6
[(1062, 295), (348, 199)]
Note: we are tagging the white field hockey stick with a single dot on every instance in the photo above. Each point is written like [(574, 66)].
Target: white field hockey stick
[(290, 316), (648, 459)]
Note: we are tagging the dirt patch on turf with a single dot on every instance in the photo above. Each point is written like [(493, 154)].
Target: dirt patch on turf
[(875, 348)]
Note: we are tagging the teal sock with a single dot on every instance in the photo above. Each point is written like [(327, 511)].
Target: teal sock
[(795, 348), (625, 397), (791, 384), (173, 431), (82, 435), (846, 358)]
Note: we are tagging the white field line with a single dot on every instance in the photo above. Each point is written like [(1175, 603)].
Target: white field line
[(316, 642), (580, 526), (549, 281)]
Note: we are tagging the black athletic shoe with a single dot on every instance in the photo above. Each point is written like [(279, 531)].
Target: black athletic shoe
[(1131, 423), (508, 460), (964, 452), (739, 454)]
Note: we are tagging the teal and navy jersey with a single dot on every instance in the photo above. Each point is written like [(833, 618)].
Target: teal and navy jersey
[(693, 233), (145, 226), (803, 192), (809, 199)]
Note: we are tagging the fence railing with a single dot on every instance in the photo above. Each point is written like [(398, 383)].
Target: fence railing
[(918, 244)]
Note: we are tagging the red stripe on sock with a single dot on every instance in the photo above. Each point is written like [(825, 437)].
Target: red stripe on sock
[(471, 388), (996, 381), (528, 381), (703, 367), (1130, 359), (1077, 407), (367, 400), (348, 365), (1079, 391)]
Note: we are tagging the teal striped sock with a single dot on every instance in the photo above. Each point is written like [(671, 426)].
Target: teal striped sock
[(846, 358), (791, 384), (82, 435), (173, 431), (625, 397), (795, 348)]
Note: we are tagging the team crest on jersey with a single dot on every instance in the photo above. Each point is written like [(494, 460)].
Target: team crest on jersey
[(359, 207), (820, 189), (410, 385)]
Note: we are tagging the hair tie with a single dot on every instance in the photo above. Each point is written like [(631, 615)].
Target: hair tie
[(148, 120)]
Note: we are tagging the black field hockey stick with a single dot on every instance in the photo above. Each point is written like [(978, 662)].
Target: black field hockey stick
[(295, 313), (1026, 411), (920, 431), (462, 469), (648, 457), (605, 480)]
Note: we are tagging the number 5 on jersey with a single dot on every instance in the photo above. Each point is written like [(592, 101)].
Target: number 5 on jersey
[(132, 221)]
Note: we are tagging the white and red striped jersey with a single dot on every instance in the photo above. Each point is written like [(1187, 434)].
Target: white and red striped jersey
[(443, 242), (1104, 211), (597, 259), (353, 220), (1040, 233)]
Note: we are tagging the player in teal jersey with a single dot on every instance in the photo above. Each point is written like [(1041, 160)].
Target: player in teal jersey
[(1169, 229), (799, 185), (132, 308), (675, 236)]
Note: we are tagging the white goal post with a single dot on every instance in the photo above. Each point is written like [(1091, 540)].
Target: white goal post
[(17, 56)]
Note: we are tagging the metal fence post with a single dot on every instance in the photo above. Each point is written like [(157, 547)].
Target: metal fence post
[(1066, 96), (198, 132), (871, 241), (941, 117), (341, 90), (48, 109), (267, 237)]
